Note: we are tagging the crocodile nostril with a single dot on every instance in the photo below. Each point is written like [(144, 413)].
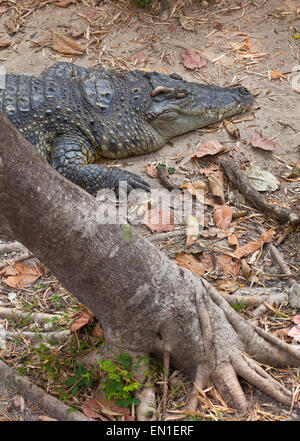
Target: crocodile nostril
[(244, 91)]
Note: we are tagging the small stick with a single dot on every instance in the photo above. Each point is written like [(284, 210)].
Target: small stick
[(167, 235), (164, 179)]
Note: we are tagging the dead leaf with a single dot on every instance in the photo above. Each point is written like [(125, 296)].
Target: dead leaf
[(296, 319), (186, 23), (3, 9), (245, 250), (258, 141), (216, 188), (83, 320), (276, 75), (227, 286), (155, 69), (151, 170), (295, 173), (192, 187), (158, 220), (231, 129), (227, 265), (99, 405), (20, 275), (64, 4), (140, 58), (97, 331), (192, 60), (233, 240), (222, 215), (208, 148), (295, 333), (66, 45), (5, 44), (190, 262)]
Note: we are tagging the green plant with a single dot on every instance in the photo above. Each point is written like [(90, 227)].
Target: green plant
[(120, 383), (142, 3), (82, 379)]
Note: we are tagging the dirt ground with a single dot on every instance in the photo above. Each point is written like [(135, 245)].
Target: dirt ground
[(243, 42)]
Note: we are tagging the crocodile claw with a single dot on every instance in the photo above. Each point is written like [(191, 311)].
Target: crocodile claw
[(133, 181)]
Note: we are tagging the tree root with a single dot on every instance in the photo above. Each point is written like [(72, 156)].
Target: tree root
[(53, 337), (13, 247), (52, 406), (257, 200), (38, 317)]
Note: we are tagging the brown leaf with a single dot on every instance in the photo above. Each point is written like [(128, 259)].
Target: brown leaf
[(216, 188), (4, 44), (192, 60), (151, 170), (295, 173), (192, 230), (295, 333), (245, 250), (158, 220), (64, 4), (222, 215), (227, 265), (276, 75), (107, 407), (20, 275), (231, 129), (192, 187), (140, 57), (264, 144), (208, 148), (66, 45), (227, 286), (233, 240), (83, 320), (92, 409), (97, 331), (190, 262)]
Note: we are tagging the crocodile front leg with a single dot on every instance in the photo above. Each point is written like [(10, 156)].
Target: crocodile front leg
[(72, 156)]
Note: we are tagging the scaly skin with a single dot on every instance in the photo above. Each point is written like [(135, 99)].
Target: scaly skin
[(75, 116)]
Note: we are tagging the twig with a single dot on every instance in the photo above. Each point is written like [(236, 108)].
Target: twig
[(59, 336), (38, 317), (167, 235), (238, 178), (164, 179)]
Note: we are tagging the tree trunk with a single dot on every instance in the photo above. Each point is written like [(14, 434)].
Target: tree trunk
[(140, 297)]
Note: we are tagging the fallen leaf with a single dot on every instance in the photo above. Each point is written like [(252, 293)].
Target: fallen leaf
[(276, 75), (208, 148), (66, 45), (194, 186), (140, 57), (295, 333), (264, 144), (97, 331), (192, 230), (5, 44), (20, 275), (151, 170), (233, 240), (100, 407), (216, 188), (64, 4), (190, 262), (192, 60), (231, 129), (222, 215), (46, 418), (227, 286), (249, 248), (296, 319), (227, 265), (295, 173), (83, 320), (19, 402), (158, 220), (262, 180)]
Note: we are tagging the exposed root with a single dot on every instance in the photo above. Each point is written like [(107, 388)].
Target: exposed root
[(38, 317), (13, 247), (53, 337), (167, 235), (257, 200), (55, 408)]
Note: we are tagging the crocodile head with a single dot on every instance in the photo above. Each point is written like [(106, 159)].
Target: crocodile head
[(177, 106)]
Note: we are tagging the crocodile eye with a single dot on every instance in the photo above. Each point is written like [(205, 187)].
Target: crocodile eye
[(181, 94)]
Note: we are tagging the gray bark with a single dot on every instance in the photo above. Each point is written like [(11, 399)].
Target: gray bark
[(140, 297)]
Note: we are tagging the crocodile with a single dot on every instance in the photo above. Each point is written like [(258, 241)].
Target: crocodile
[(76, 116)]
